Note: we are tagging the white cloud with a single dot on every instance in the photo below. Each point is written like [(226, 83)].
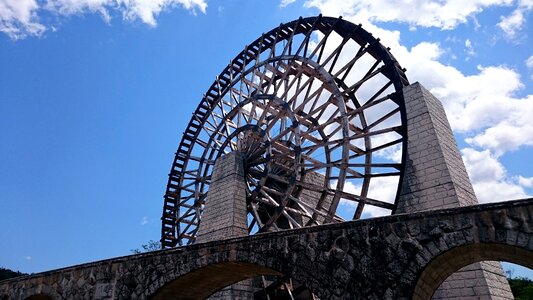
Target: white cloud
[(145, 10), (144, 220), (529, 62), (18, 18), (284, 3), (512, 23), (72, 7), (482, 105), (393, 153), (526, 4), (28, 257), (510, 134), (381, 188), (482, 166), (525, 181), (441, 14), (472, 102), (489, 177), (497, 191), (469, 48), (529, 65)]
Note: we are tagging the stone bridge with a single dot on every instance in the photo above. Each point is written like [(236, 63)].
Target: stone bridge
[(403, 256)]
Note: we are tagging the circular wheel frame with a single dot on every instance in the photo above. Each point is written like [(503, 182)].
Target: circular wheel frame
[(316, 108)]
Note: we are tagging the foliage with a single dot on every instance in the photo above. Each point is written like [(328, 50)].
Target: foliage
[(7, 273), (522, 288), (150, 246)]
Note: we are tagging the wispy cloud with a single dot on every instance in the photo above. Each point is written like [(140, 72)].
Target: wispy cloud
[(441, 14), (284, 3), (20, 18), (513, 23), (469, 49), (525, 181), (529, 64), (144, 220)]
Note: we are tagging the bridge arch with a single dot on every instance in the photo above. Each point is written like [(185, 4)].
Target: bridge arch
[(447, 263), (200, 283), (39, 297), (230, 265)]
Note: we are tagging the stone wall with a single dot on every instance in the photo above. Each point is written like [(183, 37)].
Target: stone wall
[(395, 257)]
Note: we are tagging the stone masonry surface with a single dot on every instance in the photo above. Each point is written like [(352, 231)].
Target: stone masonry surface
[(435, 177), (225, 213), (404, 256)]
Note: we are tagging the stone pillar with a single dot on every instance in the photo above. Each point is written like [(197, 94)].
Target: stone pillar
[(224, 215), (435, 177), (312, 197)]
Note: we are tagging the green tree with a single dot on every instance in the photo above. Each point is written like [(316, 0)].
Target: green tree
[(522, 288), (150, 246), (7, 273)]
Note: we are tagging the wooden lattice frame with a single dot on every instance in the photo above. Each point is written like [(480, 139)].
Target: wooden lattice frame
[(316, 95)]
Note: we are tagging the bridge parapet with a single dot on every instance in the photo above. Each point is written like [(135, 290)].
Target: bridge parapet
[(395, 257)]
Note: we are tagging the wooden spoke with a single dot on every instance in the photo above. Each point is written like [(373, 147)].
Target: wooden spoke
[(307, 119)]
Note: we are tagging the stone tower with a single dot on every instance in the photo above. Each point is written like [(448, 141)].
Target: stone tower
[(435, 177)]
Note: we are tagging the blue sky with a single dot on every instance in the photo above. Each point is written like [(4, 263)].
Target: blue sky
[(94, 95)]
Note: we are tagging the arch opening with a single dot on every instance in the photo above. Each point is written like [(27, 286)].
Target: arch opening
[(201, 283), (39, 297), (438, 270), (266, 287)]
